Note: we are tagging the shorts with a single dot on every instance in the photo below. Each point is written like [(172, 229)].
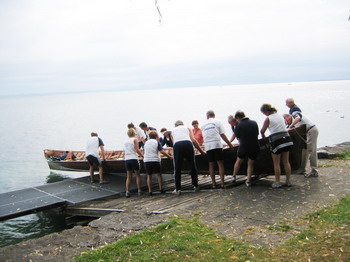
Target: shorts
[(281, 150), (280, 143), (215, 155), (94, 160), (153, 168), (251, 154), (132, 165)]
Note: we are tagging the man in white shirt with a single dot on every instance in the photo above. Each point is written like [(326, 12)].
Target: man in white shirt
[(213, 131), (92, 155), (298, 119)]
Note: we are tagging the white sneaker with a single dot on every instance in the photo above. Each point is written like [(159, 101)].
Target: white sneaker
[(276, 185), (177, 192)]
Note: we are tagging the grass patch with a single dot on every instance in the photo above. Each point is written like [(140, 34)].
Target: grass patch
[(321, 165), (282, 226), (179, 239), (343, 156), (327, 238)]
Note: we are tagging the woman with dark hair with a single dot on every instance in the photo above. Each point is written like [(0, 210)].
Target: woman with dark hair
[(280, 142)]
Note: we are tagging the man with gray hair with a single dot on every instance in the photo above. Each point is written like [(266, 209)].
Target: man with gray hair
[(213, 131), (295, 120), (92, 155), (233, 123), (292, 106)]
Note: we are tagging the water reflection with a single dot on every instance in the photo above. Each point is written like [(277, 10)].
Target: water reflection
[(29, 227), (36, 225)]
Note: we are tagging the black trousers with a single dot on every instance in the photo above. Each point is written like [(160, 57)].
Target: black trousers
[(184, 150)]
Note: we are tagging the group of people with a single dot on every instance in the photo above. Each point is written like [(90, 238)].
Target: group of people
[(183, 140)]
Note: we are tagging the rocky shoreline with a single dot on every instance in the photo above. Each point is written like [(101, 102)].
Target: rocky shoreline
[(238, 212)]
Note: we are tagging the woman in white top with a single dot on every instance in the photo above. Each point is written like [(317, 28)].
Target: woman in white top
[(183, 141), (280, 142), (132, 164), (152, 160)]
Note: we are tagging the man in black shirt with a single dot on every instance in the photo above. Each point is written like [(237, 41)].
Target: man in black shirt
[(247, 133)]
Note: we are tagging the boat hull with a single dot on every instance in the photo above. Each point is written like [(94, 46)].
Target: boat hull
[(262, 165)]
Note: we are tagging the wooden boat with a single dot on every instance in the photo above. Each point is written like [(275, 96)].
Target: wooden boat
[(115, 159)]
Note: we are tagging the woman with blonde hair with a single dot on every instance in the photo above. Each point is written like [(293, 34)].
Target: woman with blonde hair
[(132, 164), (280, 142)]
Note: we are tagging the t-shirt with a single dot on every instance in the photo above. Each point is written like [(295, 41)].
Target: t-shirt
[(146, 132), (129, 149), (140, 134), (247, 132), (151, 151), (303, 120), (233, 128), (212, 130), (93, 145), (293, 109), (180, 133), (197, 133), (277, 124)]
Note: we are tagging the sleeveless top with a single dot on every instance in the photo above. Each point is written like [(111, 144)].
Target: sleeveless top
[(277, 124), (129, 149), (181, 133)]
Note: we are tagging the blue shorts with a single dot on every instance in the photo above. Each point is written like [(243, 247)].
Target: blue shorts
[(132, 165)]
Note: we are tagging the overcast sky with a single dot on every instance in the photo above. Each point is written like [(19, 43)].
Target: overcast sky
[(83, 45)]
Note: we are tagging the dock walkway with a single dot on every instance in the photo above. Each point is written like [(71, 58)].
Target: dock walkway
[(67, 192)]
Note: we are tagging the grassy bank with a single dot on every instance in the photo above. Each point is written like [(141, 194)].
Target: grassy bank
[(327, 238)]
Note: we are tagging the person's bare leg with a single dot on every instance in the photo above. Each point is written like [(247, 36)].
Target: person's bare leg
[(160, 182), (138, 180), (212, 173), (149, 182), (221, 173), (276, 166), (92, 173), (100, 172), (250, 169), (236, 167), (128, 180), (286, 165)]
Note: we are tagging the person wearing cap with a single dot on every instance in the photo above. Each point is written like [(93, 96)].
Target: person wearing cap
[(165, 140), (295, 120), (95, 143), (183, 141)]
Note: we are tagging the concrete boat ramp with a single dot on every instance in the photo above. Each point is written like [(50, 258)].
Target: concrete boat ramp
[(70, 193)]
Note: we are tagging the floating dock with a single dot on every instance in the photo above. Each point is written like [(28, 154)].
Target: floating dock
[(70, 193), (59, 194)]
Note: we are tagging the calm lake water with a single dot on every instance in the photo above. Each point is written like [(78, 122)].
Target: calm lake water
[(31, 124)]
